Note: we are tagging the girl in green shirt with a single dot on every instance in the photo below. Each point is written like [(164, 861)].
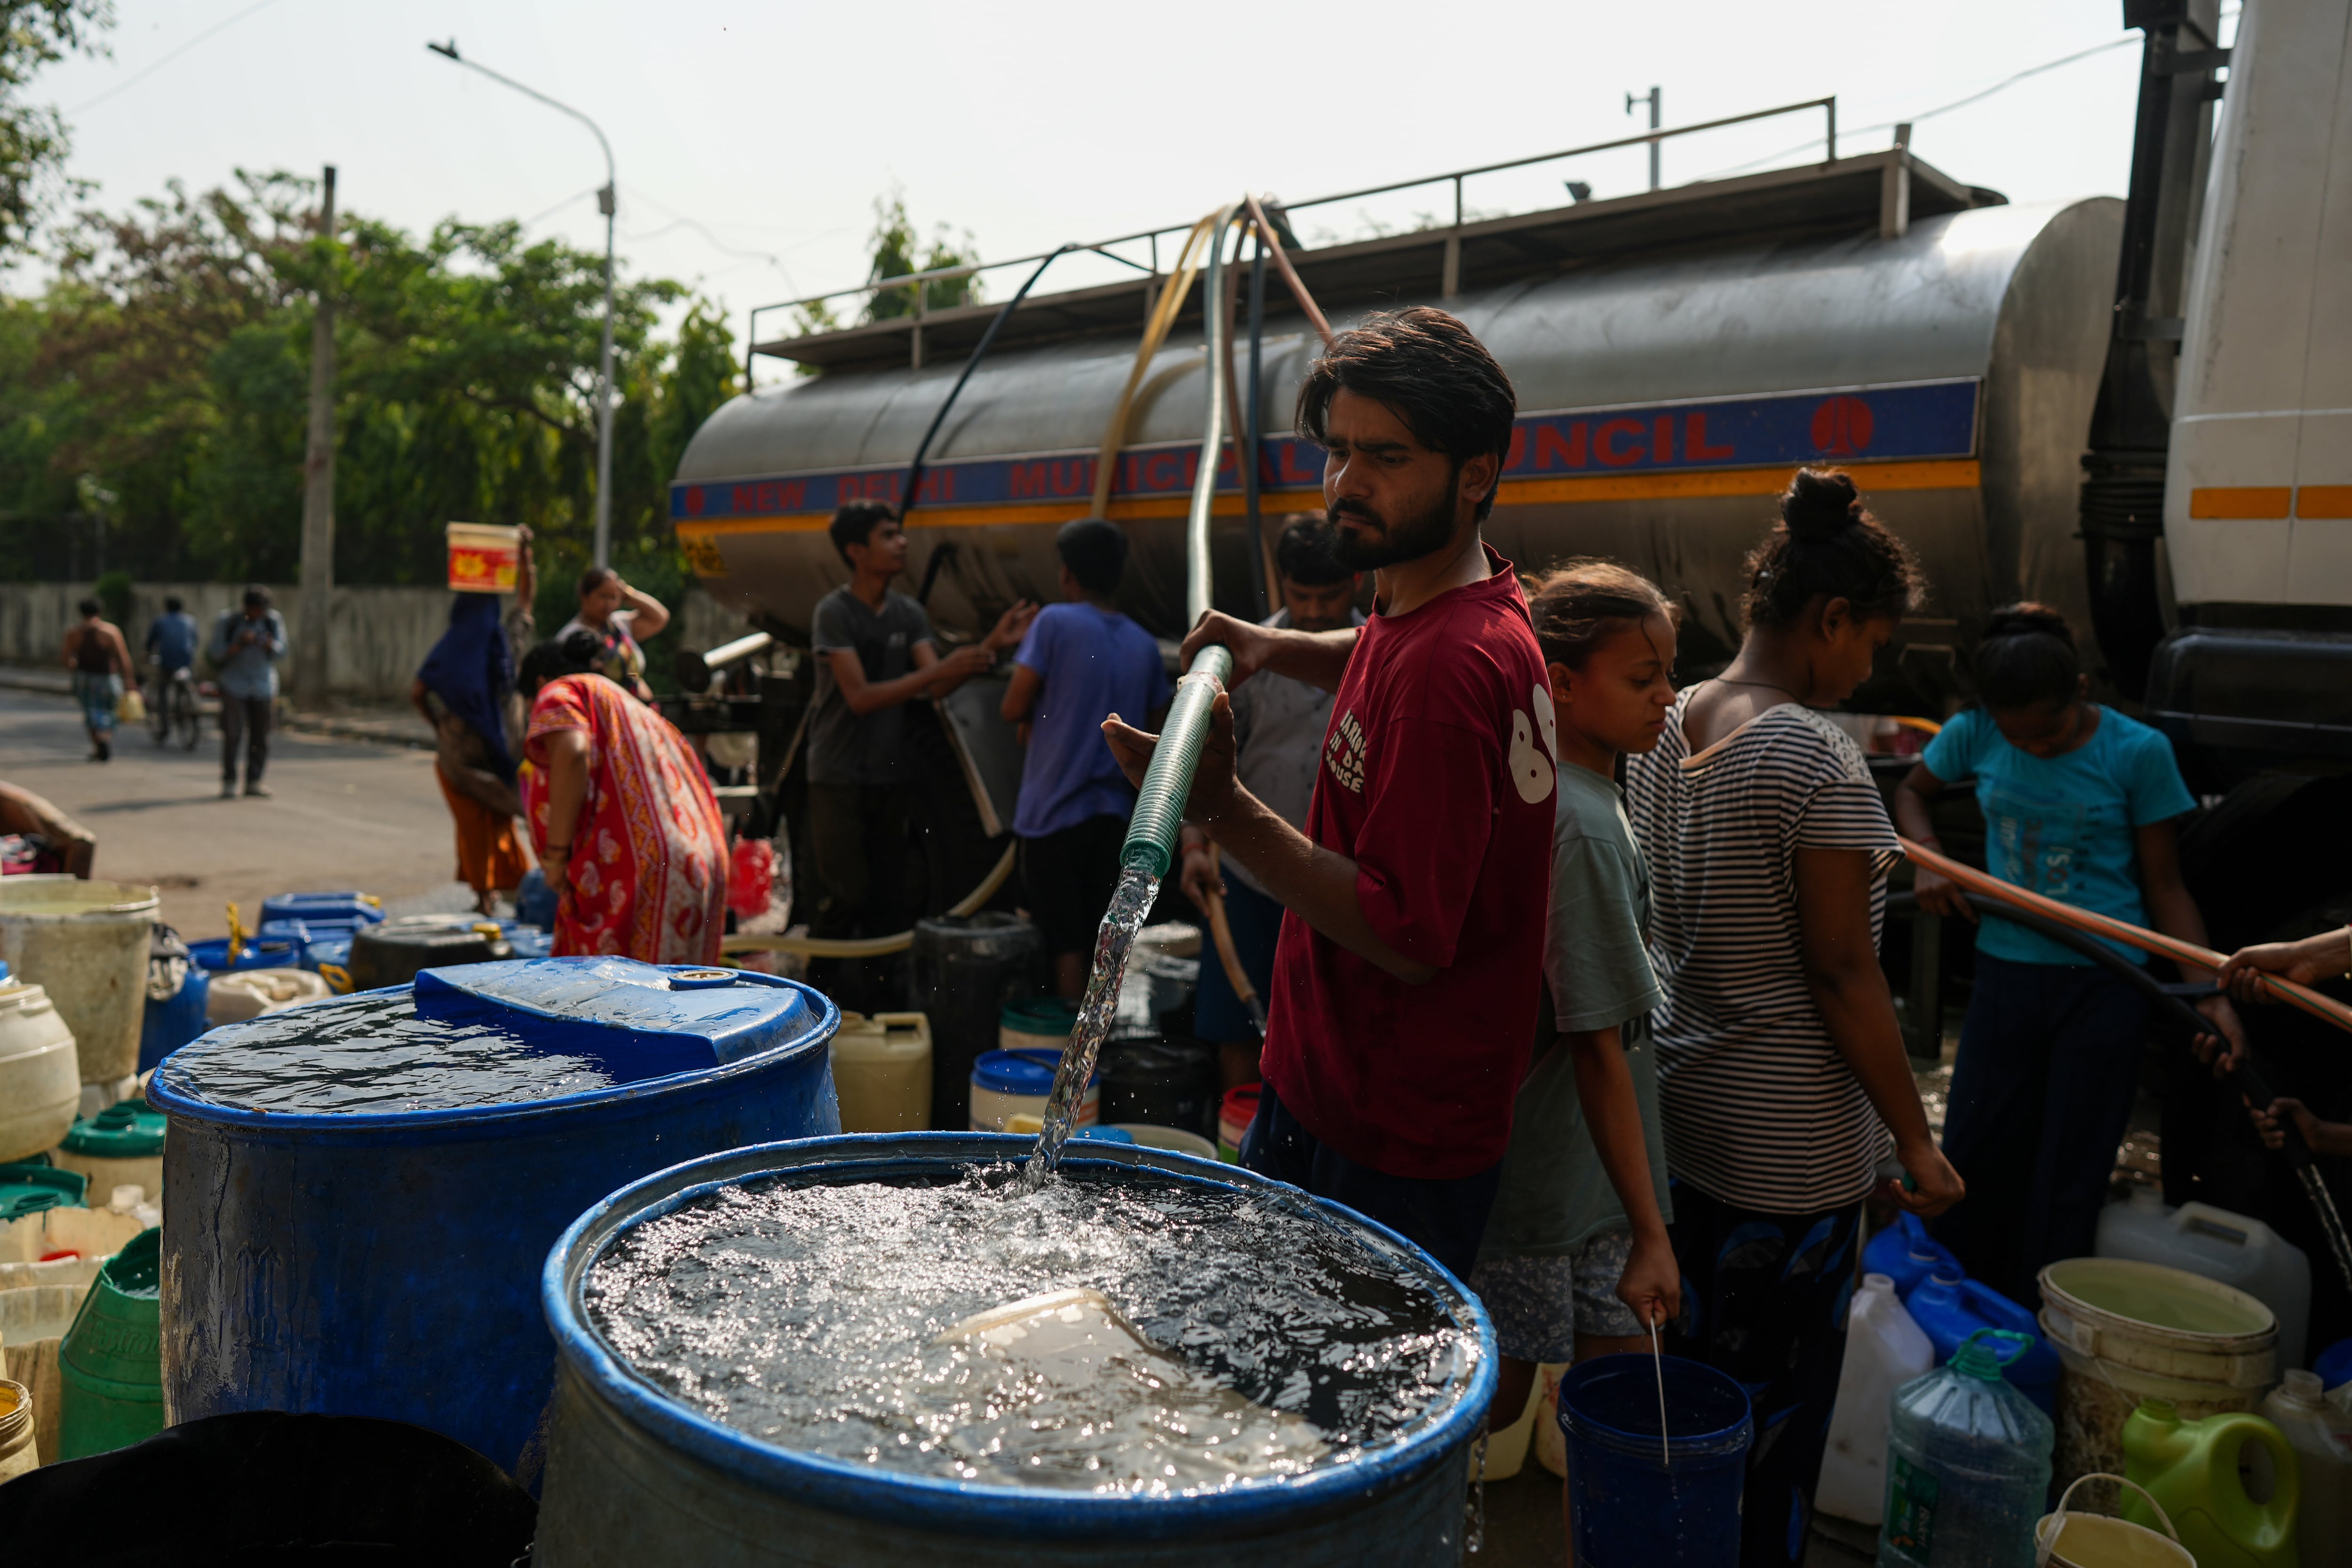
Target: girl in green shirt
[(1576, 1261)]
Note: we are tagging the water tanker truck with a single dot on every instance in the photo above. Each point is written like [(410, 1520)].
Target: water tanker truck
[(2138, 410)]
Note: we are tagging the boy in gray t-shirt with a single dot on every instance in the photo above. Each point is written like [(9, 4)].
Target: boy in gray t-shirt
[(874, 653)]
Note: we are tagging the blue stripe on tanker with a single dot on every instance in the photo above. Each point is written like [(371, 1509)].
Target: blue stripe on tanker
[(1925, 420)]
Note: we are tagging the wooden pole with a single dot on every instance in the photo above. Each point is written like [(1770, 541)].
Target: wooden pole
[(318, 487)]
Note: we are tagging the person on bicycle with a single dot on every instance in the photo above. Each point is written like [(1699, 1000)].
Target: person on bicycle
[(171, 639)]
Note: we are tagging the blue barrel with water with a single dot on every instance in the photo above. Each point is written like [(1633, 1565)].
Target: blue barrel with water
[(636, 1476), (383, 1259), (1640, 1504)]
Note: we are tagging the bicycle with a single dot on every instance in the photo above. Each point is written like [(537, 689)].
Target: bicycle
[(172, 709)]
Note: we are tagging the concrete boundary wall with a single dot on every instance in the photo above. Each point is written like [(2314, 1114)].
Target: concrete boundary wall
[(376, 637)]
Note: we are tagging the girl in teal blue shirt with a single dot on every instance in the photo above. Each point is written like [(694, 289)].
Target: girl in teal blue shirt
[(2081, 804)]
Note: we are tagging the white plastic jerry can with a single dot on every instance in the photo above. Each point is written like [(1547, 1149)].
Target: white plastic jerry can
[(1883, 1350), (2198, 1239), (2320, 1432)]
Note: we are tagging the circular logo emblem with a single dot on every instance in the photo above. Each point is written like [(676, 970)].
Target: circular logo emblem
[(1842, 426)]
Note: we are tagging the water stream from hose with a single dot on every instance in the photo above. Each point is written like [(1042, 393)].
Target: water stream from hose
[(1131, 904), (2323, 1205)]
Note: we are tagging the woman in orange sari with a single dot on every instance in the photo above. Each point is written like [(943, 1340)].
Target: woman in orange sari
[(622, 815), (461, 690)]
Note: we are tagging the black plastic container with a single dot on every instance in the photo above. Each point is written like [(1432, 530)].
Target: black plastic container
[(1162, 1083), (966, 967), (393, 955)]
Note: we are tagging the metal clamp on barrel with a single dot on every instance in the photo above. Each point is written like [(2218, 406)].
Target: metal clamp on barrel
[(1159, 816)]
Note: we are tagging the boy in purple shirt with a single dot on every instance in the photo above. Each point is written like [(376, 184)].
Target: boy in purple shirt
[(1081, 661)]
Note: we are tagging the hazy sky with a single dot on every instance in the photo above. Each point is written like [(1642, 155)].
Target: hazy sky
[(752, 141)]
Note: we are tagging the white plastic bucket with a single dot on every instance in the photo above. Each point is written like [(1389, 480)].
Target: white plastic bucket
[(1005, 1084), (40, 1074), (243, 994), (882, 1072), (84, 942), (2126, 1332), (484, 558)]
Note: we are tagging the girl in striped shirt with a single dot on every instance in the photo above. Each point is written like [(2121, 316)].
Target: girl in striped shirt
[(1781, 1070)]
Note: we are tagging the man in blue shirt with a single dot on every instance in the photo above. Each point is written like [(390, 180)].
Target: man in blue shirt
[(1081, 661), (171, 638), (246, 644)]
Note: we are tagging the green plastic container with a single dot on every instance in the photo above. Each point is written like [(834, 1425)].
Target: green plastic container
[(1037, 1023), (112, 1362), (2195, 1470), (29, 1188), (122, 1144), (125, 1131)]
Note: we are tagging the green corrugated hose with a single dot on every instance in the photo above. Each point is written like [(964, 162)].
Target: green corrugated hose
[(1167, 782)]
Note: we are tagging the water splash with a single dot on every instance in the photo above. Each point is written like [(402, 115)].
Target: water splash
[(1130, 904), (830, 1319), (2315, 1188)]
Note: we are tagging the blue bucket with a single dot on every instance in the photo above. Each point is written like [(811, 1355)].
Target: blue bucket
[(386, 1263), (340, 912), (636, 1476), (170, 1025), (1636, 1506)]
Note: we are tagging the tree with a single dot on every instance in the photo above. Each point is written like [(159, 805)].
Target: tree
[(895, 246), (32, 140), (170, 358)]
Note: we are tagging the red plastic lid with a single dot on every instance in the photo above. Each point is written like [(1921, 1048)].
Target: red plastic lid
[(1240, 1105)]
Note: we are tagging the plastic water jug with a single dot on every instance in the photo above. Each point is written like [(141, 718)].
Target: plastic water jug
[(1907, 1255), (2217, 1245), (1967, 1460), (2320, 1436), (1951, 1310), (1883, 1350), (2197, 1471), (882, 1072), (40, 1072)]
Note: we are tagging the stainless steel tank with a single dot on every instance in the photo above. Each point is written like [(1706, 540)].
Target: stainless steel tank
[(1664, 398)]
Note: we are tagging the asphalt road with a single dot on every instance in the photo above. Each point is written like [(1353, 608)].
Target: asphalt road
[(345, 815)]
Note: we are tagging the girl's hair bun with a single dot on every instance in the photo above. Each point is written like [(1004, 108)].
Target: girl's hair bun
[(1820, 505), (2027, 619)]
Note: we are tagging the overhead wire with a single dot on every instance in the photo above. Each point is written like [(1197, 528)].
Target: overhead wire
[(1977, 97), (127, 84)]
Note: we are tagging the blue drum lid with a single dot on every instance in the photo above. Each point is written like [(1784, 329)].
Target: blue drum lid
[(518, 1031)]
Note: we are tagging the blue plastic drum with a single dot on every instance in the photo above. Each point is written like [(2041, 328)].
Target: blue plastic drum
[(1642, 1504), (357, 1226)]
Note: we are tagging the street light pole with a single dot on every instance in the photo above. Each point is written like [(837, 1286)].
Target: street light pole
[(607, 203)]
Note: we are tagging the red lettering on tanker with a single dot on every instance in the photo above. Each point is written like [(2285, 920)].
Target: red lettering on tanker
[(1605, 447), (1160, 471), (1694, 447), (1073, 478), (1518, 447), (1290, 471), (694, 500), (1027, 481), (1661, 439), (1568, 450), (1842, 426)]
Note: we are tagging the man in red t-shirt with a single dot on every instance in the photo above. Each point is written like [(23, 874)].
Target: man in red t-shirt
[(1407, 978)]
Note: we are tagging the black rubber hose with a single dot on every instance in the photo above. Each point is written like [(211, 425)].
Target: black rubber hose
[(987, 338), (2244, 1078)]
